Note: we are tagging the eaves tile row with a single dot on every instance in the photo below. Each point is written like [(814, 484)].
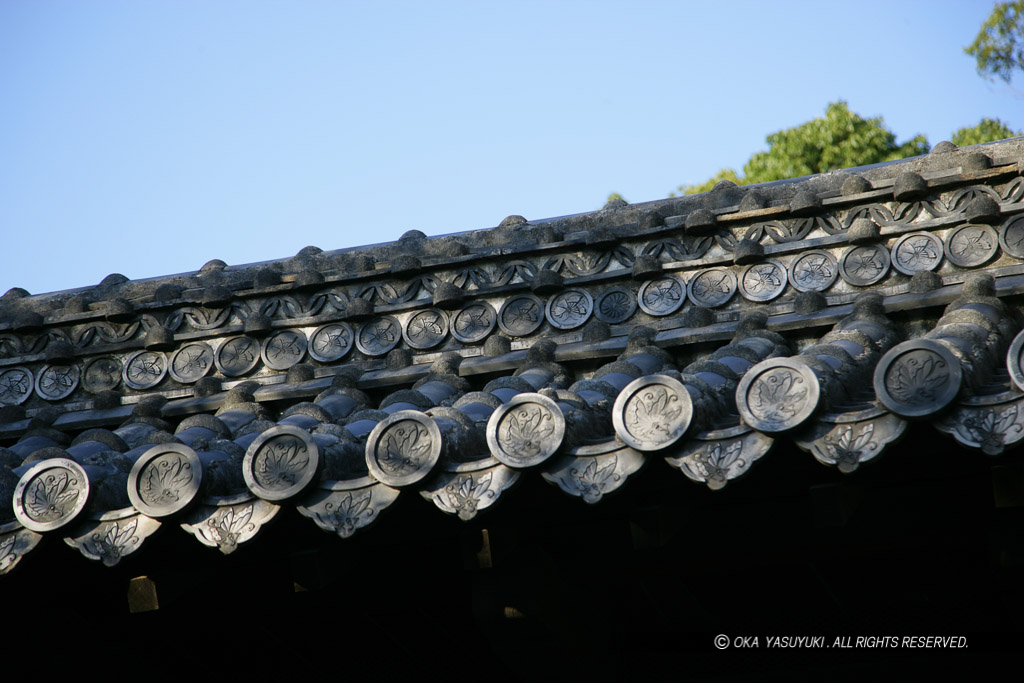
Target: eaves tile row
[(341, 459), (830, 312)]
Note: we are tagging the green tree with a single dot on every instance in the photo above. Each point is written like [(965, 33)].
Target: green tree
[(988, 130), (840, 139), (999, 45)]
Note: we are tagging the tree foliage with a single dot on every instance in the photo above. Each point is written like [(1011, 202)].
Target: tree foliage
[(988, 130), (999, 45), (843, 139), (840, 139)]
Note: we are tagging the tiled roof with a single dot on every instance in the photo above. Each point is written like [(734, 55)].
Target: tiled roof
[(832, 312)]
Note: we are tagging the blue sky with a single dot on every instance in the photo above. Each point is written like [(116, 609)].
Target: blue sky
[(147, 137)]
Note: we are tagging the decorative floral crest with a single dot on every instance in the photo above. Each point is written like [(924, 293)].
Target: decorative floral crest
[(7, 555), (349, 514), (591, 481), (281, 463), (51, 496), (112, 545), (991, 430), (654, 413), (713, 464), (849, 446), (778, 396), (164, 482), (916, 380), (405, 447), (465, 494), (525, 431), (226, 528)]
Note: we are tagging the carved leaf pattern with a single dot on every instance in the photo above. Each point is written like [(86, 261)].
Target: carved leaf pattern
[(726, 240), (10, 345), (419, 288), (828, 224), (624, 255), (349, 514), (526, 272), (877, 213), (713, 464), (685, 249), (338, 300), (226, 528), (782, 232), (917, 381), (49, 497), (991, 429), (101, 331), (907, 212), (282, 463), (596, 263), (526, 430), (165, 481), (7, 555), (201, 320), (570, 262), (272, 307), (1014, 190), (958, 201), (112, 545), (654, 414), (383, 293), (404, 449), (591, 481), (850, 446), (465, 493), (778, 396), (471, 275)]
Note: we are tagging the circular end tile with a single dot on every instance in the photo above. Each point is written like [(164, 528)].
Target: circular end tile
[(283, 349), (916, 252), (474, 322), (330, 342), (917, 378), (237, 356), (426, 329), (1015, 360), (652, 412), (165, 479), (1011, 237), (403, 448), (50, 494), (55, 382), (615, 305), (144, 369), (814, 271), (777, 395), (712, 287), (763, 281), (378, 336), (521, 315), (525, 431), (663, 296), (280, 463), (191, 362), (970, 246), (15, 386), (100, 374), (864, 264), (569, 309)]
